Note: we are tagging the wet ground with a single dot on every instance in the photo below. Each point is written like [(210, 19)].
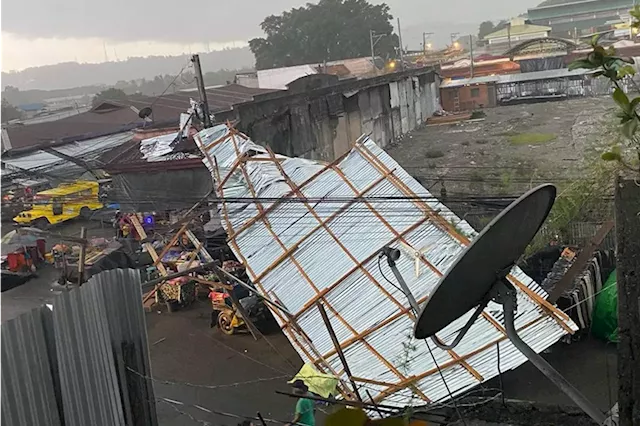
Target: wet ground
[(511, 148), (194, 365)]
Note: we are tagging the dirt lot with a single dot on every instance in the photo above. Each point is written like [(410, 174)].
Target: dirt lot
[(513, 148)]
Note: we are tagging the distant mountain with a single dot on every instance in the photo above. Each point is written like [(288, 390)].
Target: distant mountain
[(72, 74)]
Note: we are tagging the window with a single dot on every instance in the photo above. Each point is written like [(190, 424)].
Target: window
[(475, 92)]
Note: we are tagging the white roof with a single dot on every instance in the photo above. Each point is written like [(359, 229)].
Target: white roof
[(325, 248), (517, 77)]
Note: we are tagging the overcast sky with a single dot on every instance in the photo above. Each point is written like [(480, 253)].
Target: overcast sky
[(40, 32)]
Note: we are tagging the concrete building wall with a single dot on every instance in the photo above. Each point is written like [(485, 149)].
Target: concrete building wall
[(248, 80), (322, 124)]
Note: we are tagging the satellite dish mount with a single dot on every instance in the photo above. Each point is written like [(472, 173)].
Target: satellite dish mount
[(480, 275)]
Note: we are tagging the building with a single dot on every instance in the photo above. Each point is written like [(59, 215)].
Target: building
[(580, 18), (482, 92), (110, 117), (279, 78), (516, 32), (468, 94), (482, 66)]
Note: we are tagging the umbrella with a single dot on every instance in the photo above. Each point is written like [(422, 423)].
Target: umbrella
[(18, 238)]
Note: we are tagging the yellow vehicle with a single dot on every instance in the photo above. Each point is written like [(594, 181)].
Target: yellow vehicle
[(67, 201)]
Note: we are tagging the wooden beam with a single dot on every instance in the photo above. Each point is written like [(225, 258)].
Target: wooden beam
[(199, 246), (578, 265), (152, 251), (372, 382), (413, 379), (324, 292), (81, 257), (233, 168), (171, 243), (269, 209), (404, 188), (215, 142), (551, 310), (238, 306), (322, 224), (334, 339), (258, 283), (314, 287), (301, 196)]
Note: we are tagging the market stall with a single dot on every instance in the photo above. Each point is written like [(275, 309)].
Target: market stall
[(101, 254), (22, 253)]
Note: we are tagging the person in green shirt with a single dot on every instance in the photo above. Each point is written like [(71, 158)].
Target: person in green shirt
[(305, 407)]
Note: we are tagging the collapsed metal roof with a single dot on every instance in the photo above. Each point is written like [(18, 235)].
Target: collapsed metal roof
[(310, 232)]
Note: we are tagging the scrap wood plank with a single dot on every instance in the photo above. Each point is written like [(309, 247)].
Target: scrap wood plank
[(171, 243), (200, 246), (152, 251), (578, 265)]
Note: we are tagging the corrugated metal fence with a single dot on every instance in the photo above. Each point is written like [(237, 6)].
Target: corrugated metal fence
[(73, 365), (579, 234)]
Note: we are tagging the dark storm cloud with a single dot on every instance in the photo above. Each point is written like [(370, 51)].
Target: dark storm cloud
[(207, 20)]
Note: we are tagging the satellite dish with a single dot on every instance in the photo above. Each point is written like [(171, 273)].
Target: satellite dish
[(145, 112), (489, 258), (480, 275)]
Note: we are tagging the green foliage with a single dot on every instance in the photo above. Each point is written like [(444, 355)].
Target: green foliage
[(531, 138), (434, 153), (586, 199), (327, 31), (607, 64), (478, 114), (485, 28), (9, 112), (111, 94)]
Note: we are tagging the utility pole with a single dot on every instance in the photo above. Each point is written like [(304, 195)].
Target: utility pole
[(454, 36), (471, 54), (424, 41), (627, 202), (373, 51), (374, 39), (203, 93), (82, 256), (401, 48), (509, 34)]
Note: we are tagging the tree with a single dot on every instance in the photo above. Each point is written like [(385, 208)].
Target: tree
[(485, 28), (110, 94), (327, 31), (9, 112)]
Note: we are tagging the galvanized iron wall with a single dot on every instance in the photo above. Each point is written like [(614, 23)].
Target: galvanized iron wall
[(83, 363), (323, 123)]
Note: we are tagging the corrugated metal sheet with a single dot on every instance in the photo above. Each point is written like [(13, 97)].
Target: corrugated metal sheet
[(467, 81), (516, 78), (88, 150), (298, 260), (71, 364), (541, 75)]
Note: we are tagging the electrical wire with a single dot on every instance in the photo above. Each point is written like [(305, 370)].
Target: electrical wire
[(387, 279), (446, 385), (500, 372)]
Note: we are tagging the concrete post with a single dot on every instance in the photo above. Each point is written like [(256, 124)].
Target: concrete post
[(627, 200)]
